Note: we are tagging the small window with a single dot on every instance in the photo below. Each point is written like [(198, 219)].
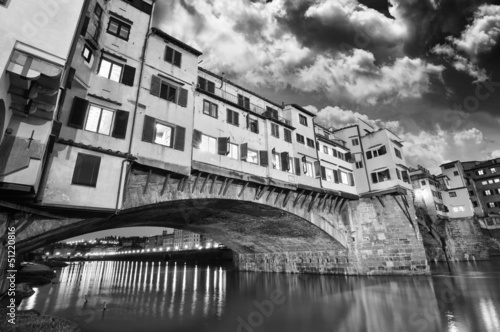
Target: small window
[(369, 155), (359, 164), (455, 173), (491, 204), (487, 193), (163, 134), (276, 161), (300, 139), (233, 117), (118, 28), (302, 120), (172, 56), (493, 170), (86, 170), (471, 193), (423, 182), (480, 172), (210, 108), (335, 153), (398, 173), (99, 120), (310, 143), (474, 204), (329, 175), (288, 135), (325, 149), (253, 157), (381, 176), (87, 53), (398, 153), (98, 11), (275, 130), (254, 125), (110, 70), (309, 169), (453, 194), (233, 151), (244, 102), (208, 144), (355, 142)]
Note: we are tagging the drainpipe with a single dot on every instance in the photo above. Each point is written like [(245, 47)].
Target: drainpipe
[(364, 160)]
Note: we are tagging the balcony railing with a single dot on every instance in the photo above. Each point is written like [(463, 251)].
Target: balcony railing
[(250, 106)]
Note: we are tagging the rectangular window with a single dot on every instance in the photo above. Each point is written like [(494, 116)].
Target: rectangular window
[(493, 170), (234, 152), (458, 209), (455, 173), (276, 161), (233, 118), (355, 142), (99, 120), (309, 169), (471, 193), (275, 130), (302, 120), (453, 194), (210, 108), (208, 144), (288, 135), (491, 204), (206, 85), (381, 176), (329, 174), (423, 182), (118, 28), (244, 102), (449, 166), (172, 56), (310, 143), (163, 134), (254, 125), (325, 149), (398, 153), (253, 157), (87, 53), (344, 177), (86, 170), (300, 139), (168, 92), (335, 153), (369, 155), (359, 164), (110, 70), (484, 183), (487, 193), (398, 173), (98, 11), (480, 172)]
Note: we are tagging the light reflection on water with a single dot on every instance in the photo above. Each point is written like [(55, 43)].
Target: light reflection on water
[(145, 296)]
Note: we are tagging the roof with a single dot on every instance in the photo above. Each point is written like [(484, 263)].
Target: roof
[(175, 41), (451, 162), (300, 108)]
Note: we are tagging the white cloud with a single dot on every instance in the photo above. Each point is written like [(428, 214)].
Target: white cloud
[(472, 135), (494, 154)]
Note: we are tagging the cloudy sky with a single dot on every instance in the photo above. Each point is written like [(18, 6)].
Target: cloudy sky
[(426, 69)]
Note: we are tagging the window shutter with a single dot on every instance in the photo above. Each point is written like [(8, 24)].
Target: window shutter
[(148, 130), (202, 83), (86, 170), (78, 113), (244, 151), (169, 52), (240, 101), (211, 87), (236, 118), (351, 179), (297, 166), (180, 138), (222, 143), (120, 125), (247, 103), (317, 145), (336, 175), (183, 97), (348, 157), (71, 77), (155, 86), (196, 139), (323, 173), (317, 169), (374, 178), (264, 158), (128, 75), (369, 155), (85, 26), (248, 120), (177, 58), (285, 161), (229, 116), (382, 151)]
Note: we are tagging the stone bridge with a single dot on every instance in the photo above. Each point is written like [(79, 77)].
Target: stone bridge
[(269, 228)]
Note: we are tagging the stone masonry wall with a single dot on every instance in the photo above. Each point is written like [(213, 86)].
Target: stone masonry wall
[(465, 240)]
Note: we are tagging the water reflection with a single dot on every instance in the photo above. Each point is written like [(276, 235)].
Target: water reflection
[(152, 296)]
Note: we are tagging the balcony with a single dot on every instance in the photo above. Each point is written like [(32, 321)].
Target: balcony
[(212, 90)]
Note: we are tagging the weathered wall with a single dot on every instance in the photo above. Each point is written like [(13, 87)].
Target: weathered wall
[(465, 239)]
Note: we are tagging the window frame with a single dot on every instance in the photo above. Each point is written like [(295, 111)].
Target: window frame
[(325, 149), (300, 139), (275, 130), (172, 133), (209, 139), (229, 155), (101, 109), (303, 120), (91, 53), (96, 7), (256, 154), (113, 63), (233, 117), (173, 59), (92, 182), (355, 141), (398, 153), (210, 108), (121, 24), (310, 142), (253, 125)]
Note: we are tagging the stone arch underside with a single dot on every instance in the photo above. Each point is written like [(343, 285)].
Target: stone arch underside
[(245, 227)]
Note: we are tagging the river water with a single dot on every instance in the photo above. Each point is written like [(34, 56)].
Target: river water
[(146, 296)]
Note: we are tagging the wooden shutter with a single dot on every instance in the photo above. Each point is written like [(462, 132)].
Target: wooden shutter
[(148, 131), (236, 118), (229, 116), (169, 54), (244, 151), (155, 86), (70, 78), (183, 97), (248, 120), (297, 166), (196, 139), (211, 87), (85, 26), (285, 161), (222, 144), (382, 151), (202, 83), (128, 75), (78, 113), (180, 138), (264, 158), (247, 103), (120, 124), (336, 175), (369, 155), (177, 59), (317, 145), (374, 178), (86, 170), (241, 102), (351, 179), (317, 169), (323, 173)]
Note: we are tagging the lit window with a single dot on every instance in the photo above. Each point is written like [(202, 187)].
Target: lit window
[(458, 209), (276, 161), (233, 151), (110, 70), (87, 53), (487, 193), (480, 172), (163, 134), (329, 175), (253, 157), (493, 170), (275, 130), (99, 120), (208, 144), (344, 177), (309, 169)]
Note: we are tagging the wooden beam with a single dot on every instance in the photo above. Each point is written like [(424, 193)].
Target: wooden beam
[(332, 201), (179, 185), (278, 196), (342, 204), (165, 183), (243, 189), (23, 224), (297, 197), (402, 209), (227, 186), (204, 183), (405, 200), (287, 197), (305, 199), (270, 193), (186, 180), (312, 202), (213, 184), (29, 210), (257, 191), (223, 186), (324, 203), (337, 203), (196, 181), (262, 192), (147, 182), (380, 200)]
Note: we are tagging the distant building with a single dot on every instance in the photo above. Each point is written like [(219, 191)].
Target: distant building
[(428, 192)]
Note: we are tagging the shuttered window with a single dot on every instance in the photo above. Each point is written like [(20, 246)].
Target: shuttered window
[(233, 118), (243, 102), (172, 56), (78, 113), (288, 135), (168, 91), (118, 28), (116, 71), (206, 85), (86, 170), (264, 158), (210, 109), (275, 130), (163, 133)]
